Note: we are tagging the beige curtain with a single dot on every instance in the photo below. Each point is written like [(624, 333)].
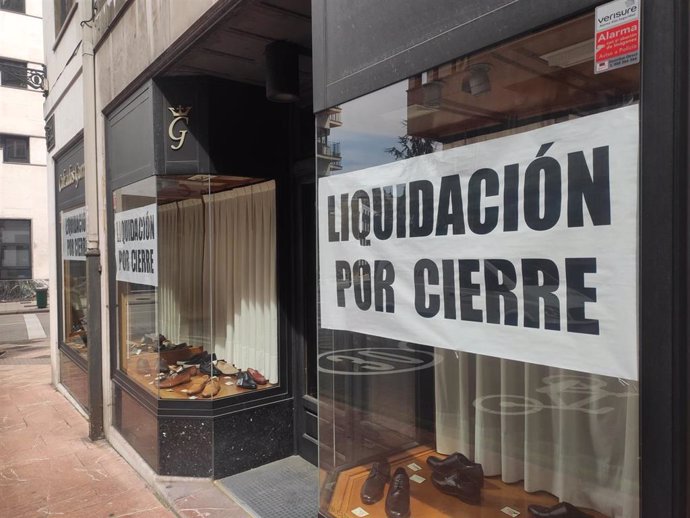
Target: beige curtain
[(243, 291), (572, 434), (217, 275), (181, 303)]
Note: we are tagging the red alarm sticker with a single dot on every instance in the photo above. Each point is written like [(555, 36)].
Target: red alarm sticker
[(617, 35)]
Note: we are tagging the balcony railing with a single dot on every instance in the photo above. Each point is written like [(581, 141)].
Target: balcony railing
[(331, 149)]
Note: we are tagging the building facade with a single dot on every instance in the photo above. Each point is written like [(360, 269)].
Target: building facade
[(437, 249), (24, 232)]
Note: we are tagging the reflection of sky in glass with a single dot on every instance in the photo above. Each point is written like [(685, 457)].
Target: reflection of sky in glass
[(371, 124)]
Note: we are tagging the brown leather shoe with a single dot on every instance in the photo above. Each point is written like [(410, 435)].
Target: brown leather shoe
[(455, 484), (372, 490), (258, 378), (398, 498), (212, 387), (178, 378), (197, 385), (457, 462)]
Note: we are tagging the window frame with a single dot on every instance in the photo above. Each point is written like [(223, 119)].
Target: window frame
[(15, 82), (28, 246), (62, 13), (22, 11), (11, 160)]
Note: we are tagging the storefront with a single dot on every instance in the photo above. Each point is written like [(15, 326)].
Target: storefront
[(502, 261), (203, 278), (71, 272)]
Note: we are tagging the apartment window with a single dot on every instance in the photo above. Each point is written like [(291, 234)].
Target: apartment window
[(15, 249), (13, 73), (18, 6), (15, 149), (62, 10)]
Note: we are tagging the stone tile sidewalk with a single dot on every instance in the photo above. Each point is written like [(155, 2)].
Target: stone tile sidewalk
[(49, 467)]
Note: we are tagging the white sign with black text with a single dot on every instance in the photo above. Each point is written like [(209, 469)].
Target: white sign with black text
[(74, 235), (522, 247), (136, 247)]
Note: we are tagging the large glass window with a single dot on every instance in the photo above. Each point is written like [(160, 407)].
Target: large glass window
[(15, 149), (18, 6), (15, 249), (477, 271), (74, 303), (196, 285), (62, 10), (13, 73)]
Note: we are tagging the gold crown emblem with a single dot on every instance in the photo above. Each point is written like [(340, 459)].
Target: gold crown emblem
[(180, 111)]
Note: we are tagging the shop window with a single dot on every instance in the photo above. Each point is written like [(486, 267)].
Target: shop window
[(15, 249), (445, 388), (62, 10), (196, 285), (75, 302), (15, 149), (13, 73), (17, 6)]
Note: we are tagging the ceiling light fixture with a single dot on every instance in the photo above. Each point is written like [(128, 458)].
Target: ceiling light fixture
[(571, 55), (282, 72)]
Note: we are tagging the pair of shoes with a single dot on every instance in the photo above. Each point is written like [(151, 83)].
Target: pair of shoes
[(197, 386), (562, 510), (258, 378), (458, 476), (398, 498), (212, 387), (244, 380), (178, 378)]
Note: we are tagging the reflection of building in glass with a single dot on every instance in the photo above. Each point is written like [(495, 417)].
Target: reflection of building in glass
[(328, 152)]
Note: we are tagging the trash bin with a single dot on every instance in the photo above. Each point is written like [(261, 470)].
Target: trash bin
[(42, 298)]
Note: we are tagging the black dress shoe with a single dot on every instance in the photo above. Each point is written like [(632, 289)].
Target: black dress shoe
[(398, 498), (244, 380), (372, 490), (562, 510), (455, 484), (458, 462)]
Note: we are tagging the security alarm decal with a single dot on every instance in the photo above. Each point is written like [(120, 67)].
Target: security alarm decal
[(617, 35)]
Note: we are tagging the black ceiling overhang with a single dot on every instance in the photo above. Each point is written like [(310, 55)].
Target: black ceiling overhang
[(234, 49)]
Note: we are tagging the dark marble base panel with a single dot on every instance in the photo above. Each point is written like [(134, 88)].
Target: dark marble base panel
[(207, 447), (186, 446), (253, 437)]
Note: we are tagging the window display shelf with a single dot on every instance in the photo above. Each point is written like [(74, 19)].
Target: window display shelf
[(148, 379), (426, 501)]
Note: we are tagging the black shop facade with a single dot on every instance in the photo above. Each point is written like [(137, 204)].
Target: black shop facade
[(502, 264), (203, 230), (475, 276)]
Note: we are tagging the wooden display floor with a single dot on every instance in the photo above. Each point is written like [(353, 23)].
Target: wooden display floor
[(428, 502), (148, 381)]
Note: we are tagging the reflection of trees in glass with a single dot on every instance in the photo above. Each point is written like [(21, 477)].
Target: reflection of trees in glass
[(409, 146)]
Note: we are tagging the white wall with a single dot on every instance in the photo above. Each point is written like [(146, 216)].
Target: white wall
[(23, 195), (23, 187), (21, 36), (21, 112)]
